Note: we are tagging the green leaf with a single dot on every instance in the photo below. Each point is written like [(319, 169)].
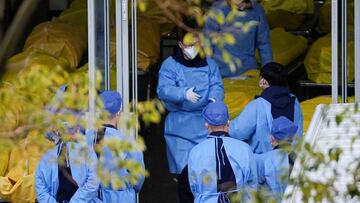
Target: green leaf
[(338, 119)]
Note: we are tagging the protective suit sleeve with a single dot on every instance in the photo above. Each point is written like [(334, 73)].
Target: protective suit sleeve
[(244, 125), (138, 156), (167, 89), (89, 189), (216, 84), (42, 191), (192, 176), (263, 38), (253, 178)]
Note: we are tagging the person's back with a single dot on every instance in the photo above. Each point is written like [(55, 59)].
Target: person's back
[(252, 34), (273, 167), (273, 171), (74, 180), (110, 164), (204, 173), (255, 121), (220, 165), (127, 193)]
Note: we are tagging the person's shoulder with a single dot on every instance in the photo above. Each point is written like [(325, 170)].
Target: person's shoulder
[(256, 102), (238, 143), (202, 145), (169, 64), (258, 7), (168, 60), (51, 154), (112, 133), (211, 62)]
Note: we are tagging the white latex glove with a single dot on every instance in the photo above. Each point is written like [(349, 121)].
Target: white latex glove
[(192, 96)]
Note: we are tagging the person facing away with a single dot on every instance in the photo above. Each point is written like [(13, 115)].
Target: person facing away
[(254, 123), (187, 83), (273, 167), (112, 104), (67, 173), (257, 37), (220, 165)]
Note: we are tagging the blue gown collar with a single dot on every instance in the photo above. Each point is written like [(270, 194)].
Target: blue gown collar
[(109, 126), (219, 134)]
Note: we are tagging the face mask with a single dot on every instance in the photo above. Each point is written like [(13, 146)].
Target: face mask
[(190, 52)]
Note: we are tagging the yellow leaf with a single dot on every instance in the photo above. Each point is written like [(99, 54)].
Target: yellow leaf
[(220, 18), (188, 38), (226, 56), (247, 26), (142, 6), (229, 38)]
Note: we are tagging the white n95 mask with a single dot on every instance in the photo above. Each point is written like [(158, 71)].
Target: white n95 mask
[(191, 52)]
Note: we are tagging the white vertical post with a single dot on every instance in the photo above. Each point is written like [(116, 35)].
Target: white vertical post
[(107, 45), (134, 52), (125, 53), (357, 50), (334, 51), (344, 56), (91, 72), (122, 51), (119, 81)]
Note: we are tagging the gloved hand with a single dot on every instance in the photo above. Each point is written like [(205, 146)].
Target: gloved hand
[(192, 96)]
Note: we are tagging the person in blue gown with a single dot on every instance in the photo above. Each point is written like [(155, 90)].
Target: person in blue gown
[(273, 166), (112, 104), (220, 165), (254, 123), (187, 83), (257, 37), (67, 173)]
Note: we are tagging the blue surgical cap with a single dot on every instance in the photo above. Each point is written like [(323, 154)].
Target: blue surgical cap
[(216, 113), (283, 128), (112, 101)]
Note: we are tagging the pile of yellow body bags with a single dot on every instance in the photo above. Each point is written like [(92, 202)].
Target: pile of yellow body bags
[(60, 43), (318, 59), (289, 14), (241, 90), (308, 107), (17, 170)]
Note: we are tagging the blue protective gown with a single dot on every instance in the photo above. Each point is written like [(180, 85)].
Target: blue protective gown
[(203, 168), (184, 125), (83, 171), (255, 121), (273, 171), (258, 37), (122, 195)]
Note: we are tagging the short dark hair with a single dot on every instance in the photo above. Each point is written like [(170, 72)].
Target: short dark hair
[(275, 74), (189, 22)]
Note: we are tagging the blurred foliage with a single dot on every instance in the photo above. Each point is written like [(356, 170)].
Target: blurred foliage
[(32, 104), (200, 11)]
